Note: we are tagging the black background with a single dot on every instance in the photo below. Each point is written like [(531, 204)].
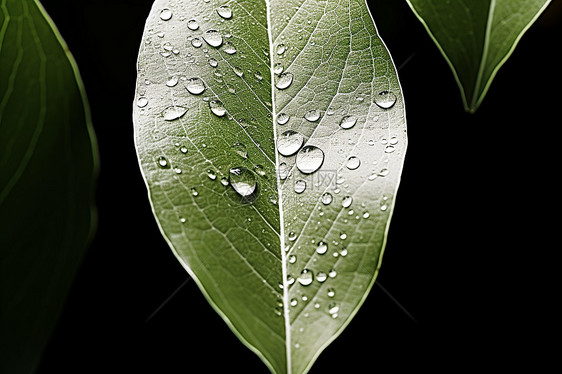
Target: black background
[(466, 254)]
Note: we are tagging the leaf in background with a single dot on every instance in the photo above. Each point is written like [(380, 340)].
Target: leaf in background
[(47, 167), (271, 136), (476, 37)]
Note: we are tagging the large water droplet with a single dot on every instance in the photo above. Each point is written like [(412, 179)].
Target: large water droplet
[(173, 112), (327, 198), (322, 248), (142, 102), (195, 86), (312, 115), (346, 202), (306, 277), (284, 81), (300, 186), (309, 159), (321, 276), (348, 122), (289, 143), (224, 11), (192, 25), (165, 14), (283, 118), (217, 108), (243, 181), (353, 163), (385, 99), (213, 38)]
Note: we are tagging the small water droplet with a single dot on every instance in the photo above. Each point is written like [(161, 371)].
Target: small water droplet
[(212, 175), (224, 11), (177, 170), (195, 86), (239, 72), (224, 181), (292, 236), (348, 122), (333, 308), (229, 48), (196, 42), (389, 149), (165, 14), (173, 112), (293, 302), (383, 173), (353, 163), (393, 140), (281, 48), (163, 162), (217, 108), (312, 115), (172, 82), (278, 68), (331, 292), (346, 202), (322, 248), (183, 150), (309, 159), (366, 215), (278, 311), (343, 251), (258, 76), (182, 220), (289, 143), (283, 118), (243, 181), (142, 102), (300, 186), (194, 191), (343, 236), (283, 171), (321, 276), (384, 207), (292, 259), (327, 198), (306, 277), (192, 25), (213, 38), (214, 63), (284, 81), (332, 273), (385, 99), (240, 148)]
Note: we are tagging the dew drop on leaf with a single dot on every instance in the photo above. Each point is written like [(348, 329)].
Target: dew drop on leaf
[(283, 118), (173, 112), (309, 159), (300, 186), (278, 68), (229, 48), (348, 122), (196, 42), (213, 63), (217, 108), (241, 149), (322, 248), (331, 292), (312, 115), (346, 202), (243, 181), (165, 14), (163, 162), (306, 277), (283, 171), (192, 25), (353, 163), (385, 99), (321, 276), (224, 11), (213, 38), (195, 86), (289, 143), (142, 102), (327, 198), (281, 48), (172, 82), (284, 81)]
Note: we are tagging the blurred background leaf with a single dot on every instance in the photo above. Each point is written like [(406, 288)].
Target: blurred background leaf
[(48, 164)]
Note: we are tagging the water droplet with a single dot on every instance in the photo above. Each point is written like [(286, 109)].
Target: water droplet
[(389, 149), (293, 302), (213, 38), (182, 220), (292, 259), (278, 68), (281, 48), (332, 273), (163, 162), (393, 140), (283, 118), (165, 14), (173, 112), (346, 202), (327, 198), (366, 215), (309, 159), (292, 236), (239, 72), (183, 150), (258, 75), (194, 191), (196, 42), (214, 63), (312, 115), (229, 48), (224, 181), (383, 173), (322, 248), (192, 25), (331, 292), (195, 86), (333, 308), (243, 181), (172, 82), (385, 99), (348, 122), (217, 108), (343, 251), (224, 11), (142, 102), (240, 148), (300, 186), (306, 277), (321, 276), (343, 236), (284, 81), (212, 175), (177, 170), (278, 311), (353, 163), (283, 171), (384, 207), (289, 143)]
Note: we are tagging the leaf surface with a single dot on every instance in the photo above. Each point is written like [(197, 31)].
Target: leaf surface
[(47, 167), (271, 136), (477, 37)]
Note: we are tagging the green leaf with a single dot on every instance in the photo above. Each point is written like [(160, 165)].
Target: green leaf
[(47, 167), (477, 37), (271, 136)]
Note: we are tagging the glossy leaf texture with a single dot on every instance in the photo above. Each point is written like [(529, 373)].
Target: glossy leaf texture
[(47, 169), (477, 37), (271, 135)]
